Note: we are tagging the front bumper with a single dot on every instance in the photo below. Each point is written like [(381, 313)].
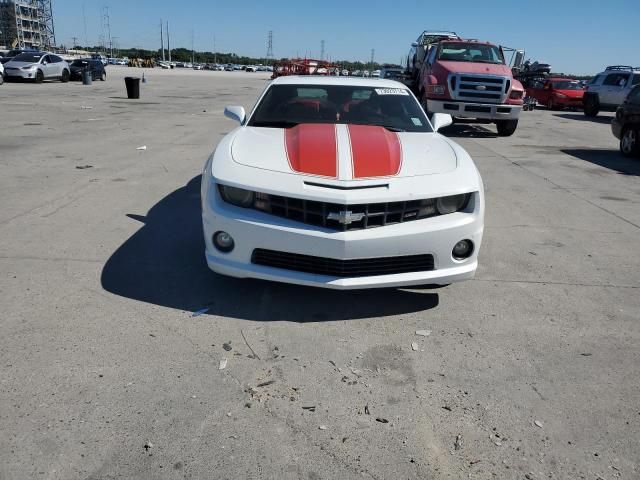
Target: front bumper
[(19, 73), (252, 230), (492, 111)]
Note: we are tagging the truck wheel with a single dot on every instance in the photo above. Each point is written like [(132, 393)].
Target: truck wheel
[(506, 128), (591, 106), (551, 105), (630, 142)]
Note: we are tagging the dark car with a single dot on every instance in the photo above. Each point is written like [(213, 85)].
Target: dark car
[(97, 69), (14, 53), (626, 124)]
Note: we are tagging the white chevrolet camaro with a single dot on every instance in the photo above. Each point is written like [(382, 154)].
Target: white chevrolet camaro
[(341, 183)]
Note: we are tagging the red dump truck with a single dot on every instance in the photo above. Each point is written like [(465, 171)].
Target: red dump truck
[(470, 79)]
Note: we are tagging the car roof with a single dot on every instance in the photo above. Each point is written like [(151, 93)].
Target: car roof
[(334, 80)]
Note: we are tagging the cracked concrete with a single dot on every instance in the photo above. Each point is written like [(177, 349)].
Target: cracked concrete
[(107, 374)]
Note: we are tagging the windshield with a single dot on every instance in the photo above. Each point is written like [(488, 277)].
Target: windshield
[(27, 57), (470, 52), (80, 63), (285, 106), (567, 85)]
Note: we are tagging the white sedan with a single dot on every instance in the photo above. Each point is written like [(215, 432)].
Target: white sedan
[(341, 183)]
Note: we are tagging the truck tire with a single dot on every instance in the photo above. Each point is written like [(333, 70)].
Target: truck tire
[(506, 128), (591, 105)]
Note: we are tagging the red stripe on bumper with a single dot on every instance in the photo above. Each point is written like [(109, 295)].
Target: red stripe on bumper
[(312, 149), (375, 151)]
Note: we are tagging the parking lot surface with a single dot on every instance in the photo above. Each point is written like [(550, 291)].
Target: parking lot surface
[(528, 371)]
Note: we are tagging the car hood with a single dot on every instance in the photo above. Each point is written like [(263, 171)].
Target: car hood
[(470, 67), (14, 64), (342, 152)]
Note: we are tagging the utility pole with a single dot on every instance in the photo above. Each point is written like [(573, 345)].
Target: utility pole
[(321, 49), (270, 46), (373, 52), (161, 40), (84, 17), (192, 47), (168, 46), (75, 42), (215, 54), (106, 25)]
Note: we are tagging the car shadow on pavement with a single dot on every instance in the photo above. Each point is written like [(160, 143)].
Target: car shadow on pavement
[(468, 130), (163, 263), (582, 117), (611, 159)]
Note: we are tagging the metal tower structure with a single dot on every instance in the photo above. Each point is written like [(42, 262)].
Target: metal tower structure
[(27, 24), (321, 49), (270, 45), (106, 30)]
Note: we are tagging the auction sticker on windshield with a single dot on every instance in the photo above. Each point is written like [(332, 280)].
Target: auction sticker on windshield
[(391, 91)]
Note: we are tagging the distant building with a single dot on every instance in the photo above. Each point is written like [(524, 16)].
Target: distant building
[(26, 24)]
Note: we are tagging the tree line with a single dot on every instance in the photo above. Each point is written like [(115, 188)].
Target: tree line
[(185, 55)]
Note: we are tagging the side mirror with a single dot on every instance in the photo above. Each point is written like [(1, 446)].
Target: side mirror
[(414, 44), (441, 120), (235, 113)]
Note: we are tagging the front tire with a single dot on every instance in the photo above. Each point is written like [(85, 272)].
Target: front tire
[(630, 142), (591, 106), (39, 76), (1, 79), (65, 76), (103, 77), (506, 128), (551, 105)]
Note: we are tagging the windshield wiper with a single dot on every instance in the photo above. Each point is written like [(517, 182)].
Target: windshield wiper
[(391, 128), (274, 124)]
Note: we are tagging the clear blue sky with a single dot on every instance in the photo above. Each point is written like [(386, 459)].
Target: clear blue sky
[(573, 36)]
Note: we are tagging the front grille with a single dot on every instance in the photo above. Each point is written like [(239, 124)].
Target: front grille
[(373, 214), (361, 267), (486, 88)]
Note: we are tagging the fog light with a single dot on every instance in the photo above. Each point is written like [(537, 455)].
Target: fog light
[(463, 249), (223, 241)]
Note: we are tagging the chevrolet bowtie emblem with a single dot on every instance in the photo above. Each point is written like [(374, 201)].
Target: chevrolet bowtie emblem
[(345, 217)]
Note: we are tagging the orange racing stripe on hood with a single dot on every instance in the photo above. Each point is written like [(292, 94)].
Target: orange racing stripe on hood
[(375, 151), (312, 149)]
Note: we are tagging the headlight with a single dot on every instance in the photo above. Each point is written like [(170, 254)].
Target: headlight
[(452, 203), (237, 196), (516, 94), (28, 67)]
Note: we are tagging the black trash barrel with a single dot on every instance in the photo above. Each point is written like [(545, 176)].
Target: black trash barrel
[(86, 77), (133, 87)]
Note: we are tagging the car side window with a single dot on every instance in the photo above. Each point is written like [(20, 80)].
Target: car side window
[(45, 59), (636, 79), (55, 59), (616, 79)]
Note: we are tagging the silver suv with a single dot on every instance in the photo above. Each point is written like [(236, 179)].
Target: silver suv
[(608, 89)]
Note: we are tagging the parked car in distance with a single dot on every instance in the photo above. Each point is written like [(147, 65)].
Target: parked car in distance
[(38, 66), (557, 93), (102, 58), (626, 124), (352, 188), (98, 71), (608, 89)]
